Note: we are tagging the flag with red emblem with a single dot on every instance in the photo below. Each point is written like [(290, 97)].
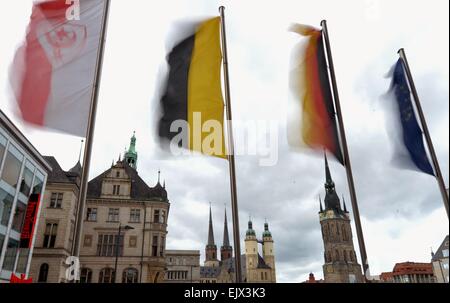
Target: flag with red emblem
[(54, 70)]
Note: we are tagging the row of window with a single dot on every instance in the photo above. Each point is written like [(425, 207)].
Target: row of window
[(177, 275), (106, 275), (159, 216), (107, 245)]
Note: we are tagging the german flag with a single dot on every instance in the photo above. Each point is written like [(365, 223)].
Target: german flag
[(310, 85), (194, 93)]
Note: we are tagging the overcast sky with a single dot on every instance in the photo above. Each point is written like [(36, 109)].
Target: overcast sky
[(402, 211)]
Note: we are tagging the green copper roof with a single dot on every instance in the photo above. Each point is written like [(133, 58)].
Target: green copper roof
[(250, 230), (131, 155), (266, 232)]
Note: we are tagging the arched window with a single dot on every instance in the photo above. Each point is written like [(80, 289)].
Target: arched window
[(106, 275), (86, 275), (43, 273), (328, 256), (336, 253), (130, 275)]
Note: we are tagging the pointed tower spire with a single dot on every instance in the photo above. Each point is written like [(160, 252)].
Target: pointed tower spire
[(226, 238), (331, 198), (320, 202), (159, 175), (211, 248), (328, 178), (345, 206), (226, 251), (211, 241)]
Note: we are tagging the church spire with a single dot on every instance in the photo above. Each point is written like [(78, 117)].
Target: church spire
[(226, 238), (329, 181), (211, 241), (226, 251), (331, 198), (320, 202)]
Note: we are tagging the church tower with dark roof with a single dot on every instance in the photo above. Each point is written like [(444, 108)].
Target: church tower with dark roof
[(211, 247), (226, 251), (341, 264)]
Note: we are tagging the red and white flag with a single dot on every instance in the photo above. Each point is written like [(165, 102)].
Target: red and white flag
[(53, 72)]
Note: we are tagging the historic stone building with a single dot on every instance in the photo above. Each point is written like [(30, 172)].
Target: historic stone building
[(440, 262), (341, 264), (255, 268), (55, 232), (119, 199), (259, 269), (183, 266)]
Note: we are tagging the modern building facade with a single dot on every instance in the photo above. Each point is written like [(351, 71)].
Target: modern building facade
[(23, 175), (440, 262), (255, 268), (124, 217), (55, 233), (341, 264), (183, 266)]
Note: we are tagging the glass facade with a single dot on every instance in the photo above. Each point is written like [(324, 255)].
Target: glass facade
[(20, 176)]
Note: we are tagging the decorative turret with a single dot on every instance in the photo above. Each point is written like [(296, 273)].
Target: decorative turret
[(250, 230), (267, 233), (131, 155), (226, 251)]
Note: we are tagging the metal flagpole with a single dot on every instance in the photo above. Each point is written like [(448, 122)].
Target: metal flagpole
[(426, 132), (234, 203), (348, 167), (89, 138)]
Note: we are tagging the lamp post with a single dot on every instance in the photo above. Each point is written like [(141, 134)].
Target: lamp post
[(126, 227)]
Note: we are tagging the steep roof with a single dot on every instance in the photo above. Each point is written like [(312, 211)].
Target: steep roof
[(262, 263), (440, 252), (139, 189), (227, 265), (57, 175)]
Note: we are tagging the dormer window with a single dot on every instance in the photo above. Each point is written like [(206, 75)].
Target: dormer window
[(116, 190)]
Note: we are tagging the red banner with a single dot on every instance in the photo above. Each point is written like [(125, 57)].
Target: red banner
[(22, 280), (30, 221)]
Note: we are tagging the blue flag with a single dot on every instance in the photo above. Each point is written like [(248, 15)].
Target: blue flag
[(411, 131)]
